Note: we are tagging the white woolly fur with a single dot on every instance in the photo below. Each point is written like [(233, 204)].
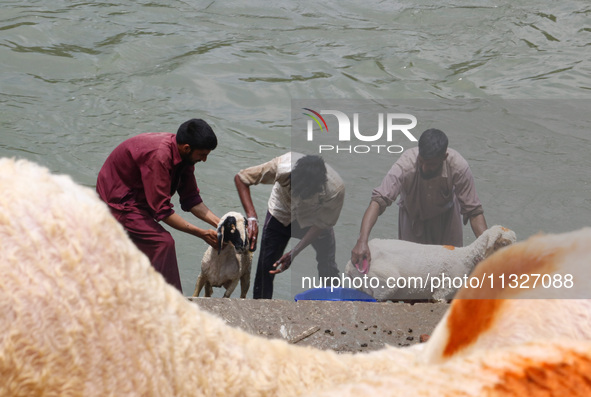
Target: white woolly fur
[(415, 264), (82, 313)]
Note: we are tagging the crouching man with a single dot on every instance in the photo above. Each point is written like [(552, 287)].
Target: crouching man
[(137, 182)]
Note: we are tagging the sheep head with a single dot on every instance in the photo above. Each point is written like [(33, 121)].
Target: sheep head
[(498, 237), (232, 229)]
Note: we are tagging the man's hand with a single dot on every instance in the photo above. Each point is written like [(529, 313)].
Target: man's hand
[(253, 233), (210, 236), (251, 214), (282, 264), (360, 253)]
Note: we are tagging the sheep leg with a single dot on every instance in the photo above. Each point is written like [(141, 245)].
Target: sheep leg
[(199, 285), (231, 288), (208, 289), (244, 285)]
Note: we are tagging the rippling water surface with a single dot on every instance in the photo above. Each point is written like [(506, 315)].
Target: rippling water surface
[(79, 77)]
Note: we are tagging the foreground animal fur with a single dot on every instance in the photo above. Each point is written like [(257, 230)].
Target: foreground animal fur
[(82, 312), (542, 368)]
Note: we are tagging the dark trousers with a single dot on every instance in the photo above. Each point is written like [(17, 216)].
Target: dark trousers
[(154, 241), (275, 239)]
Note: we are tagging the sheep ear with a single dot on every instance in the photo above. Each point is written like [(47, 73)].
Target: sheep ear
[(220, 238), (246, 238)]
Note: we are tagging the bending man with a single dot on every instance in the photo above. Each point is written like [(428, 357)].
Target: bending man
[(305, 203), (436, 189), (137, 182)]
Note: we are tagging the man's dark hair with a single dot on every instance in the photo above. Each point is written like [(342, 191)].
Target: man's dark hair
[(432, 144), (308, 176), (198, 134)]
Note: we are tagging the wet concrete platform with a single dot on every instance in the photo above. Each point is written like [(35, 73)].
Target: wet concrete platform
[(342, 326)]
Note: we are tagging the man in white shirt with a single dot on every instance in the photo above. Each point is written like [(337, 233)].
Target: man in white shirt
[(305, 203)]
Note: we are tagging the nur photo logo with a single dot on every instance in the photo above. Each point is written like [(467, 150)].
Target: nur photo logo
[(390, 127)]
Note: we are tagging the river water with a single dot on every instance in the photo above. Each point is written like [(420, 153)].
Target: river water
[(508, 81)]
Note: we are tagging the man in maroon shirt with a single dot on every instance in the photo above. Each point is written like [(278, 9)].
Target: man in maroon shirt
[(137, 182)]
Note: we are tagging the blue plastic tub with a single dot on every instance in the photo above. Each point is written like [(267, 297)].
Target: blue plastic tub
[(337, 294)]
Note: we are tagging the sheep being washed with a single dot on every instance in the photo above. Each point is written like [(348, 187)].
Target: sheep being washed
[(407, 270), (231, 263)]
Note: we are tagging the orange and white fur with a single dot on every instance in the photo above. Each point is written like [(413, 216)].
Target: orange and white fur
[(484, 318), (519, 340)]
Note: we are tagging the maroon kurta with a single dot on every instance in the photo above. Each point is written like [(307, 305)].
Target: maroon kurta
[(137, 182)]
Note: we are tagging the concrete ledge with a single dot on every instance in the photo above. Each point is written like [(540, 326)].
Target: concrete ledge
[(339, 326)]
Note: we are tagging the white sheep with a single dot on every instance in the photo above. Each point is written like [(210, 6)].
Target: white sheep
[(402, 270), (82, 312), (231, 263)]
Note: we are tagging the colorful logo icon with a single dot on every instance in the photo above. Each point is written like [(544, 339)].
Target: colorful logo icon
[(316, 119)]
